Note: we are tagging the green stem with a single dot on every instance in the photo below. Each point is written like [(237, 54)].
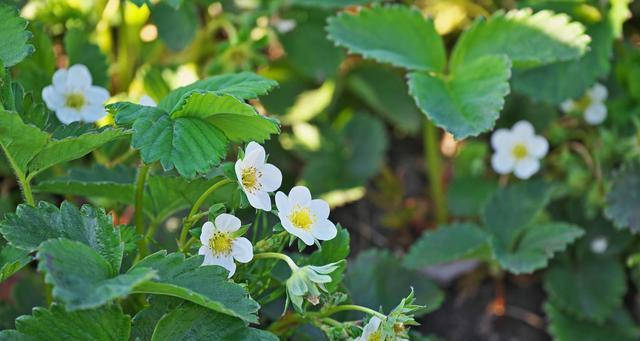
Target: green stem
[(189, 220), (280, 256), (139, 213), (434, 171), (22, 179), (344, 307)]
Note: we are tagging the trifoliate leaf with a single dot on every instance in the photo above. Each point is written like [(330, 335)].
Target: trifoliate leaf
[(445, 244), (12, 259), (377, 279), (398, 35), (80, 51), (510, 210), (107, 323), (538, 244), (30, 226), (204, 285), (193, 322), (564, 327), (243, 85), (557, 82), (527, 38), (591, 289), (385, 91), (81, 277), (467, 102), (13, 36), (623, 199)]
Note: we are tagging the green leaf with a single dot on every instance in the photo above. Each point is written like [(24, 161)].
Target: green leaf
[(237, 120), (12, 260), (20, 142), (447, 243), (104, 324), (204, 285), (538, 244), (333, 3), (398, 35), (13, 36), (71, 148), (527, 38), (564, 327), (176, 26), (592, 289), (30, 226), (81, 277), (622, 203), (144, 322), (81, 51), (510, 210), (557, 82), (467, 102), (190, 322), (243, 85), (377, 279), (36, 71), (468, 195), (385, 91)]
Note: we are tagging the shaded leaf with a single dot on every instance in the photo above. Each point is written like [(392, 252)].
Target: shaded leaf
[(623, 199), (176, 26), (564, 327), (80, 51), (12, 260)]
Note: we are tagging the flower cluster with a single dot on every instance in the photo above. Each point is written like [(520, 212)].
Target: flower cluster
[(591, 105), (300, 215)]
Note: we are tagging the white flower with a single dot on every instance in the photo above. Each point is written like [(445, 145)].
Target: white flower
[(256, 177), (370, 331), (220, 246), (72, 96), (591, 104), (305, 218), (518, 150), (147, 101), (599, 245)]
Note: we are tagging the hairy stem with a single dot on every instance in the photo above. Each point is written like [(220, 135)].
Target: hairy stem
[(434, 171), (22, 179), (139, 211), (275, 255), (189, 220)]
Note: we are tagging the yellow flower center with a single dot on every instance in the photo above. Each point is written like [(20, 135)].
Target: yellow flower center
[(75, 100), (221, 243), (375, 336), (249, 178), (583, 103), (301, 218), (520, 151)]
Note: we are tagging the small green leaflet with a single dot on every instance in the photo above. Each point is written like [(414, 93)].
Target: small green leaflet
[(13, 36)]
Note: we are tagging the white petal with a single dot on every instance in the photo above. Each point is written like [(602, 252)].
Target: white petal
[(96, 95), (271, 178), (59, 80), (207, 232), (92, 113), (242, 250), (568, 106), (596, 113), (538, 146), (67, 115), (259, 200), (254, 155), (147, 101), (227, 223), (52, 98), (324, 230), (522, 129), (238, 169), (526, 168), (300, 195), (319, 208), (501, 138), (371, 327), (78, 77), (598, 92), (283, 203), (503, 162), (225, 262), (305, 236)]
